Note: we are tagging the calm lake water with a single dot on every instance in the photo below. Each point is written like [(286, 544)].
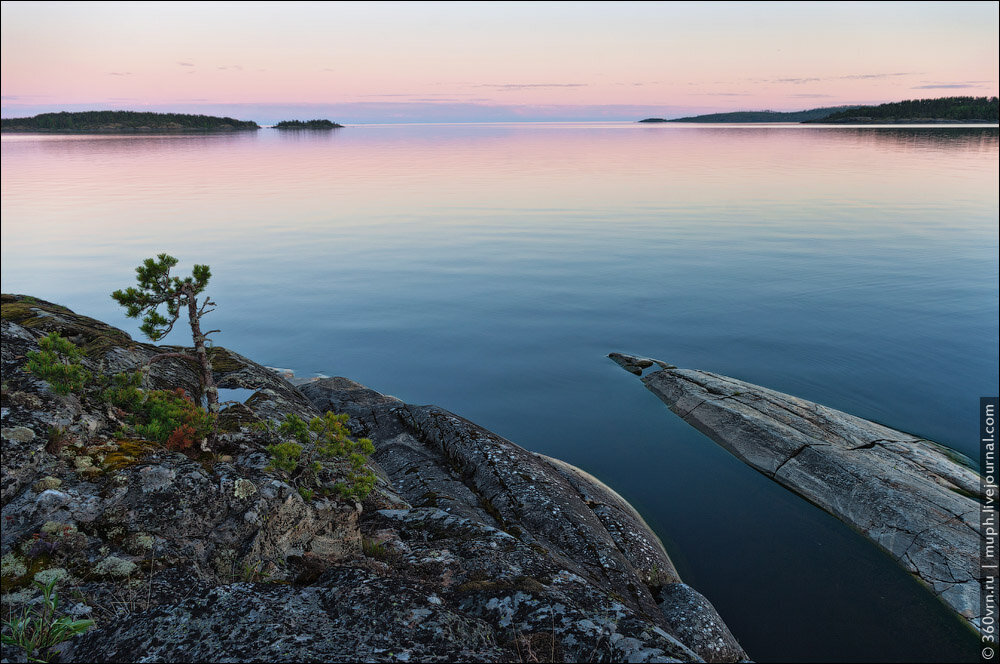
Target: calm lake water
[(489, 269)]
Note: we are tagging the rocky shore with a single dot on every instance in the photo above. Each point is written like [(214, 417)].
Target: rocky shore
[(469, 548), (916, 499)]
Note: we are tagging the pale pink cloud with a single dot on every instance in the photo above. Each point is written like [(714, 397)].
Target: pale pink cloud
[(768, 55)]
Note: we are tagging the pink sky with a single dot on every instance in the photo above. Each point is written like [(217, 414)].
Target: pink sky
[(431, 61)]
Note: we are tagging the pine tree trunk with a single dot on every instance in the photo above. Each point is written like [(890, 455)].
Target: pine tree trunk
[(210, 391)]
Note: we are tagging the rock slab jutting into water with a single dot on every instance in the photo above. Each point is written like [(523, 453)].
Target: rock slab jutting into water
[(913, 497)]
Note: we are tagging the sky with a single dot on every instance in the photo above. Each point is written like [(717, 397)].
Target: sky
[(445, 62)]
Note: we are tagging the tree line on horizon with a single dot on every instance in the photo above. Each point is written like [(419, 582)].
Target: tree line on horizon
[(762, 116), (944, 108)]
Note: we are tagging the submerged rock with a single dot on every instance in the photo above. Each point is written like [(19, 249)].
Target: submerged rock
[(915, 498)]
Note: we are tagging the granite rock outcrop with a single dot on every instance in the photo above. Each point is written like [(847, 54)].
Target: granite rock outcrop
[(468, 548)]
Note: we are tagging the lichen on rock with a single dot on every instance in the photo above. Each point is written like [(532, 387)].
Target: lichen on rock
[(12, 566), (114, 566), (243, 488)]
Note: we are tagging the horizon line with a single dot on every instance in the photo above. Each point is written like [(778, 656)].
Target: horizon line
[(395, 112)]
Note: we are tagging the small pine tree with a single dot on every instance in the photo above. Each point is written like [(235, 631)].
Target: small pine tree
[(58, 362), (157, 287)]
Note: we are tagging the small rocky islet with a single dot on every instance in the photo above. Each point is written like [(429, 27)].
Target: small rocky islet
[(468, 548), (313, 125)]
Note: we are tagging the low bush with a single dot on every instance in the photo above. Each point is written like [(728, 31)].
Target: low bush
[(58, 363), (168, 417), (324, 440)]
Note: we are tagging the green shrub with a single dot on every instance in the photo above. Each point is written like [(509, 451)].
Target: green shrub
[(285, 456), (174, 419), (37, 630), (168, 417), (58, 362), (295, 427), (126, 391), (375, 549), (324, 439)]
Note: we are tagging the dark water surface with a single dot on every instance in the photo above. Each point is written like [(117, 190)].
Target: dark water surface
[(489, 269)]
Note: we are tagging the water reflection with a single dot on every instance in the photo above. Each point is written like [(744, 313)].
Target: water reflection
[(950, 139)]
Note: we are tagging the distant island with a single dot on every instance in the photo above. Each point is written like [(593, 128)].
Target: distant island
[(123, 122), (761, 116), (970, 110), (309, 124)]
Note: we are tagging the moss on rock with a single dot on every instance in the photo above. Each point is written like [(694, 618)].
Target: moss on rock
[(93, 337), (223, 361), (125, 453)]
